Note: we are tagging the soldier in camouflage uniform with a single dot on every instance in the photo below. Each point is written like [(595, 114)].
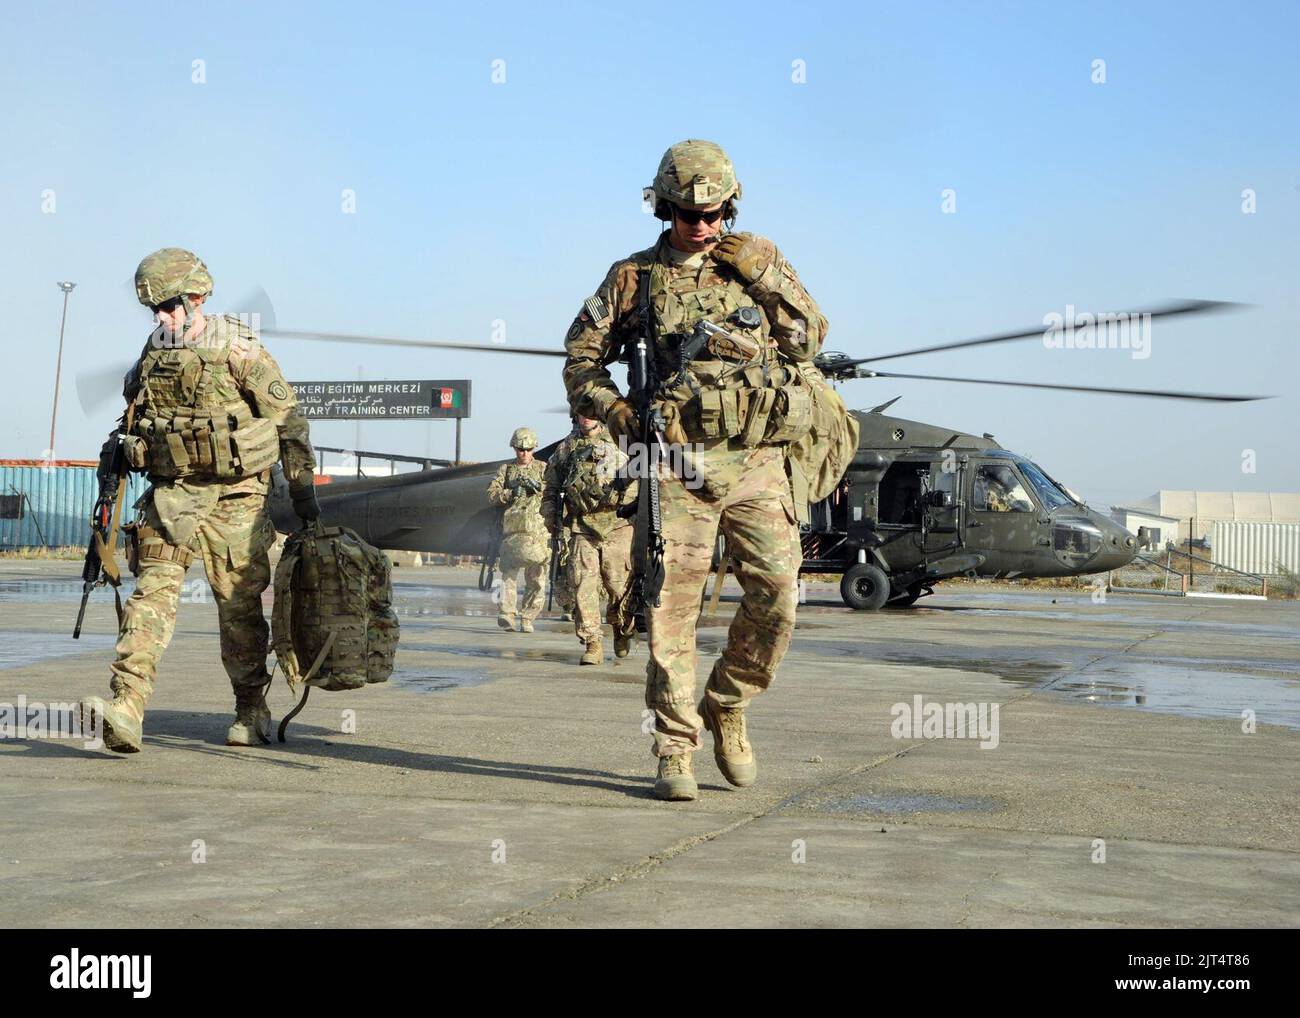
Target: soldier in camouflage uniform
[(585, 488), (517, 489), (210, 414), (739, 411)]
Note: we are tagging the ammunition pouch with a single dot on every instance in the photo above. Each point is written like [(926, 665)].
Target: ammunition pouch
[(136, 451), (144, 544), (761, 415), (225, 447)]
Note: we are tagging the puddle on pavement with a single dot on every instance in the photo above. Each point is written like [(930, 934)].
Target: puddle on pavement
[(1181, 689), (905, 804), (18, 649), (501, 653), (417, 599), (423, 681), (1007, 668), (1109, 614)]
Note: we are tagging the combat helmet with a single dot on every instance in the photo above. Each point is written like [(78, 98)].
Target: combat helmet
[(168, 273), (695, 174), (523, 438)]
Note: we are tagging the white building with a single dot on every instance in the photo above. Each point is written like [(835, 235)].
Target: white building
[(1198, 511), (1251, 531)]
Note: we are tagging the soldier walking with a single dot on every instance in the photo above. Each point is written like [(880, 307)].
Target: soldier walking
[(739, 410), (585, 489), (517, 489), (209, 413)]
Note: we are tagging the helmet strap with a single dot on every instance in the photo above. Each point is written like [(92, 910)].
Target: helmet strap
[(188, 305)]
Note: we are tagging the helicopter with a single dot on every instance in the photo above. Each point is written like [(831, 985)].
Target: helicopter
[(917, 504)]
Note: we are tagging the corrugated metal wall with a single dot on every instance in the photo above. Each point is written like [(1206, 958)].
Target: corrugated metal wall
[(59, 499), (1256, 547)]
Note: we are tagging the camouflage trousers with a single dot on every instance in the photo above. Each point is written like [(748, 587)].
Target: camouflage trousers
[(232, 534), (599, 566), (755, 513), (534, 588)]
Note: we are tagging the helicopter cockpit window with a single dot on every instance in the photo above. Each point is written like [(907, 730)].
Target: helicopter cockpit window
[(1048, 492), (998, 490)]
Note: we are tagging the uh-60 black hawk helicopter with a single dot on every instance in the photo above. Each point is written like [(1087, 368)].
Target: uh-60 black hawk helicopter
[(917, 504)]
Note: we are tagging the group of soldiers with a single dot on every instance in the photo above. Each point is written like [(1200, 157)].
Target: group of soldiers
[(210, 413), (570, 519)]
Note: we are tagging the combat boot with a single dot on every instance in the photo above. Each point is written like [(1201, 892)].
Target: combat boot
[(623, 644), (731, 748), (507, 624), (252, 725), (676, 779), (525, 626), (122, 721), (595, 654), (567, 616)]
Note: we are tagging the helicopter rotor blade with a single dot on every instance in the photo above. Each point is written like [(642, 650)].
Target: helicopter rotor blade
[(1209, 397), (256, 307), (431, 344), (1185, 307), (97, 387)]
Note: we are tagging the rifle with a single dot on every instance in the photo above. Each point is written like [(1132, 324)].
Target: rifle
[(487, 568), (554, 576), (648, 564), (100, 566)]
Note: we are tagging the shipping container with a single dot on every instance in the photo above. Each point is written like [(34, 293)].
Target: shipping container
[(48, 503), (1256, 547)]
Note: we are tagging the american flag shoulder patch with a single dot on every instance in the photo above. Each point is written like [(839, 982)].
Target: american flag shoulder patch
[(595, 309)]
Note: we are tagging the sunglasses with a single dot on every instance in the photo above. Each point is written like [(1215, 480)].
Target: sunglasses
[(689, 216)]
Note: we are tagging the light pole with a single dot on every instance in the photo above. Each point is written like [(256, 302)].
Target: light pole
[(67, 289)]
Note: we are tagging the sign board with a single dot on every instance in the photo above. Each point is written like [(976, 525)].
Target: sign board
[(383, 400)]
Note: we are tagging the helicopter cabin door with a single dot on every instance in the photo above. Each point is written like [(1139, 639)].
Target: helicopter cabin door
[(1004, 522)]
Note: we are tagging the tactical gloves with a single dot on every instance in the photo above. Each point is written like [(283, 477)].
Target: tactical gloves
[(305, 504), (621, 421), (744, 254)]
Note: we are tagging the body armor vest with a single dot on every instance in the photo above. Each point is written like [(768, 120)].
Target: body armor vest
[(593, 488), (724, 392), (193, 421)]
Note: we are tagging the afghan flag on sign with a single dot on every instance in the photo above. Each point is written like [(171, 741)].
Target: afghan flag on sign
[(449, 399)]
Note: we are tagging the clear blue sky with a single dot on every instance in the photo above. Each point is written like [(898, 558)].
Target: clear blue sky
[(479, 201)]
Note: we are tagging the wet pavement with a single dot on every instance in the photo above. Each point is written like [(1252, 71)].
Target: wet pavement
[(519, 794)]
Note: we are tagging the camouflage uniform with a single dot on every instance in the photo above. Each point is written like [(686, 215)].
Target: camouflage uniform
[(525, 543), (221, 376), (739, 426), (564, 595), (599, 540)]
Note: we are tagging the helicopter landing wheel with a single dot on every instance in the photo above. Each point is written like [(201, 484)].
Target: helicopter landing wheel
[(864, 587), (906, 597)]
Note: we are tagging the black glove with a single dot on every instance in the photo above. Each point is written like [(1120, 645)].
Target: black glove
[(305, 504)]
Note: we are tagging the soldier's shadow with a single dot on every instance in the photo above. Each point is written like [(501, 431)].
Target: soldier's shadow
[(201, 732)]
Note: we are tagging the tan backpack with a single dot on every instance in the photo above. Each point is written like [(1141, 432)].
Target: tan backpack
[(332, 624), (817, 461)]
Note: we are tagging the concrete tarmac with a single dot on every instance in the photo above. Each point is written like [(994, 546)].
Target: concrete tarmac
[(1143, 771)]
